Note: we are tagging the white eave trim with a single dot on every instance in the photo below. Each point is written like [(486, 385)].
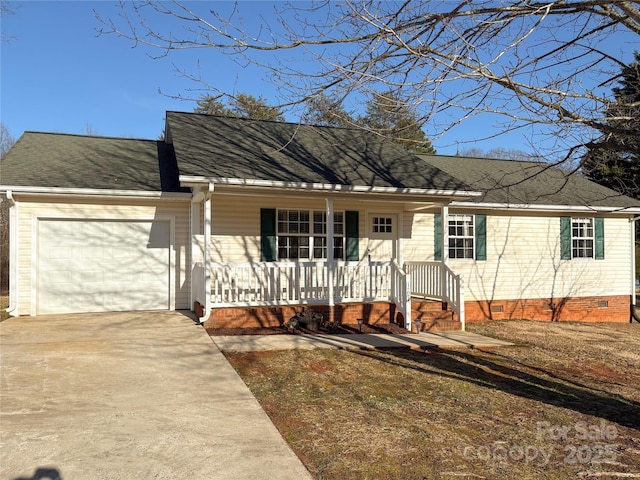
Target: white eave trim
[(189, 180), (94, 192), (546, 208)]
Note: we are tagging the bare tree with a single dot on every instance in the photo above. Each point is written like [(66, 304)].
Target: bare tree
[(6, 140), (500, 153), (543, 66), (6, 8)]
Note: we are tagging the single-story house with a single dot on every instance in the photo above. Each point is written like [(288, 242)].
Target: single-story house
[(248, 221)]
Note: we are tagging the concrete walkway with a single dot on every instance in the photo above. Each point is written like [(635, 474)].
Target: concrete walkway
[(129, 396), (244, 343)]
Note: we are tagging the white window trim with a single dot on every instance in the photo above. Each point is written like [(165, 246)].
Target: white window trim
[(310, 235), (586, 223), (455, 217)]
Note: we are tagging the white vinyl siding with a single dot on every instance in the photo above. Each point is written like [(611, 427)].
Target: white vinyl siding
[(523, 258), (522, 248), (235, 231), (32, 212)]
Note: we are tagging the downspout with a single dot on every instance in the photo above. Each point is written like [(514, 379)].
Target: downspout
[(207, 254), (13, 257), (634, 313)]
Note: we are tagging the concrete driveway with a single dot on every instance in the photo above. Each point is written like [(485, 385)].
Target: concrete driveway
[(142, 395)]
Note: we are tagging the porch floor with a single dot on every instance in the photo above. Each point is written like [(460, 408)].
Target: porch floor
[(422, 341)]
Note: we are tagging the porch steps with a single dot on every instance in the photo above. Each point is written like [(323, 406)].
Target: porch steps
[(432, 316)]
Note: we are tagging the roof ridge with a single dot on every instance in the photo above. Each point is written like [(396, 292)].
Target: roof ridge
[(535, 162), (265, 120), (101, 137)]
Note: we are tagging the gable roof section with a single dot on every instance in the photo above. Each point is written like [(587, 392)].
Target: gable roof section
[(74, 161), (514, 183), (216, 147)]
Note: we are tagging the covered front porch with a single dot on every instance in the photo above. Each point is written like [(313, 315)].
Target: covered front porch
[(370, 232)]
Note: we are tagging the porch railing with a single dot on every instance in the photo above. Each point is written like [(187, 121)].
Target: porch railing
[(437, 281), (297, 283), (294, 283)]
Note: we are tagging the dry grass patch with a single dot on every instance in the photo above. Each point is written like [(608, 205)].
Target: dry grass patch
[(402, 414), (4, 303)]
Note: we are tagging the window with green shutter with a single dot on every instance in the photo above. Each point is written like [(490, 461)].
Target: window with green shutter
[(267, 234), (467, 236), (581, 237), (293, 234), (352, 233)]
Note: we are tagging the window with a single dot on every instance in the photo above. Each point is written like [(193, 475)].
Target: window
[(467, 236), (302, 235), (382, 224), (582, 237), (461, 236)]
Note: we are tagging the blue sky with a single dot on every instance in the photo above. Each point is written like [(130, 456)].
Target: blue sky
[(59, 75)]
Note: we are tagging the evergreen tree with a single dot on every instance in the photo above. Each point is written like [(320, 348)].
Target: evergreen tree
[(388, 115), (242, 106), (614, 160)]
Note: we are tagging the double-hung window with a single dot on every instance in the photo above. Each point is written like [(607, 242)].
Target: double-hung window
[(466, 233), (461, 236), (581, 237), (302, 235)]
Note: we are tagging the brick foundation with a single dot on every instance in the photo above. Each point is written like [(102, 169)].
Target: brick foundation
[(347, 313), (433, 315), (579, 309)]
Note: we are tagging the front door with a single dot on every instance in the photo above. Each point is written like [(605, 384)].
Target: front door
[(383, 236)]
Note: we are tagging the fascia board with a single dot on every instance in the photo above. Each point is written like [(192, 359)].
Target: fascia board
[(545, 208), (188, 180), (89, 192)]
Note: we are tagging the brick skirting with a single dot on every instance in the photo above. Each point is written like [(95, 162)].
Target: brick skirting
[(346, 313), (433, 314), (579, 309)]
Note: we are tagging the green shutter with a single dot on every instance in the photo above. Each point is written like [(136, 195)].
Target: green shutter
[(481, 237), (565, 238), (352, 233), (598, 225), (437, 236), (268, 235)]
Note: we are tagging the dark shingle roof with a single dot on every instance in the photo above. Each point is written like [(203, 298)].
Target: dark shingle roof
[(529, 183), (75, 161), (223, 147)]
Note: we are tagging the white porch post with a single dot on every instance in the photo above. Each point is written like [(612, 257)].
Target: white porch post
[(445, 248), (207, 254), (194, 229), (330, 263)]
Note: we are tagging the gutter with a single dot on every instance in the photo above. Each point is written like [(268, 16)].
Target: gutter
[(13, 258), (547, 208), (192, 180), (94, 192)]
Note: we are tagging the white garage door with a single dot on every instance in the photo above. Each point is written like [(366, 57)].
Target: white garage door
[(101, 266)]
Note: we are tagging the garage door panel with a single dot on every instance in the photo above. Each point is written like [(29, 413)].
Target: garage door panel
[(97, 265)]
